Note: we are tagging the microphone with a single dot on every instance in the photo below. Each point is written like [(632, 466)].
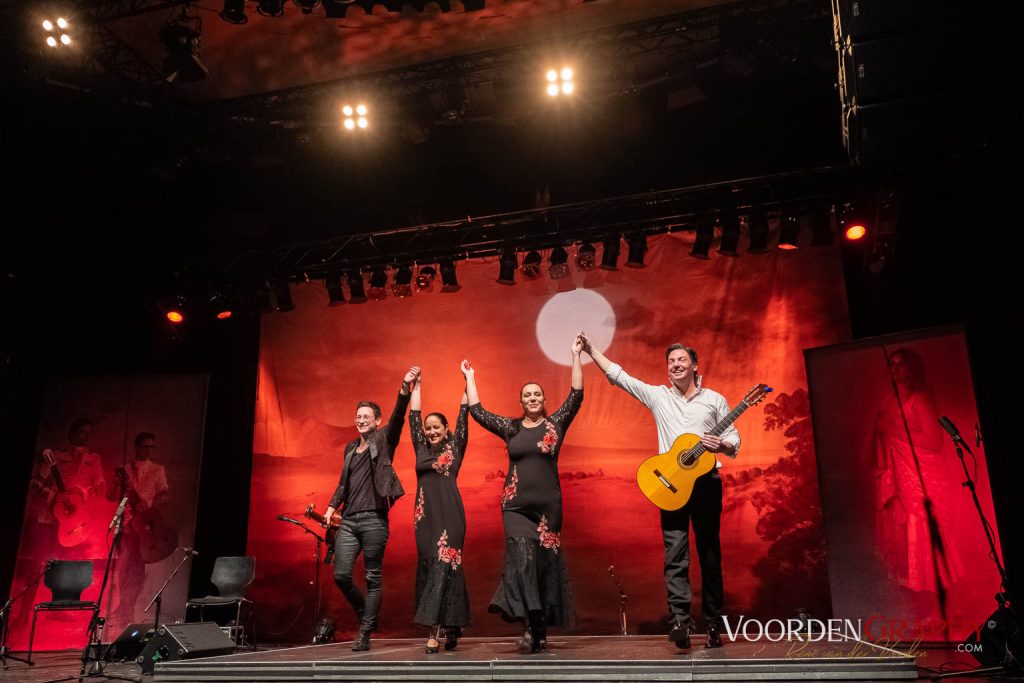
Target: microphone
[(282, 518), (953, 432), (189, 551), (119, 514)]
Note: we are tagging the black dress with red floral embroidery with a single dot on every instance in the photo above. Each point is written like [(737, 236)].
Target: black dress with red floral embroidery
[(440, 523), (535, 579)]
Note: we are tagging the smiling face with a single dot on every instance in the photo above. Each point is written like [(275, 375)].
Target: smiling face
[(681, 369), (366, 421), (435, 429), (532, 399)]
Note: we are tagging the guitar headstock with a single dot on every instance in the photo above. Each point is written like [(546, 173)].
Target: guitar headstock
[(757, 394)]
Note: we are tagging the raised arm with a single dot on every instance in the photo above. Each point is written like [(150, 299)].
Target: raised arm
[(397, 419), (419, 438), (472, 395), (461, 436), (577, 364), (616, 375), (600, 360), (497, 425)]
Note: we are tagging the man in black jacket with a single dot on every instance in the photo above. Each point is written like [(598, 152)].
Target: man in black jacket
[(367, 489)]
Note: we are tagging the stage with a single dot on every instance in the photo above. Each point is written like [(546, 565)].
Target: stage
[(569, 658)]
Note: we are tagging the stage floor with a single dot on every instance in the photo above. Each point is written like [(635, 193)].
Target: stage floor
[(569, 658)]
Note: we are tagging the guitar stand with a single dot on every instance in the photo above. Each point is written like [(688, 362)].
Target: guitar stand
[(5, 616)]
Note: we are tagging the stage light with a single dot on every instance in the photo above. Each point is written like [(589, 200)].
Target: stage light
[(356, 288), (378, 284), (271, 8), (181, 38), (62, 22), (234, 12), (531, 265), (335, 293), (47, 25), (558, 263), (729, 246), (53, 26), (220, 306), (425, 278), (65, 39), (284, 297), (560, 82), (705, 236), (852, 222), (449, 283), (610, 255), (586, 257), (51, 41), (402, 285), (355, 116), (175, 316), (637, 250), (757, 224), (174, 309), (507, 266), (855, 232), (789, 232)]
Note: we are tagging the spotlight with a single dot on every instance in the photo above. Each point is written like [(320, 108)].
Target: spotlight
[(789, 231), (449, 283), (335, 294), (234, 12), (705, 236), (507, 267), (378, 283), (637, 250), (586, 257), (181, 38), (284, 297), (355, 116), (560, 81), (402, 286), (57, 30), (855, 232), (852, 222), (425, 278), (531, 265), (758, 226), (610, 256), (176, 317), (729, 246), (356, 289), (271, 8), (220, 306), (559, 263)]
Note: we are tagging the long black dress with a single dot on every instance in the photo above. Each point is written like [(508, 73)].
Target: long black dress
[(535, 580), (440, 523)]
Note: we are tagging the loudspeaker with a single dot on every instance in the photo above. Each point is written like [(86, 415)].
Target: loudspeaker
[(999, 641), (185, 641), (129, 644)]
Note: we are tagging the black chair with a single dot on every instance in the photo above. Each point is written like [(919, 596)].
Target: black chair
[(66, 580), (231, 576)]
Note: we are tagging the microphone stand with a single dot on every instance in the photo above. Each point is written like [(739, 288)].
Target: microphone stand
[(1001, 597), (5, 616), (91, 655), (158, 598), (622, 601), (318, 559)]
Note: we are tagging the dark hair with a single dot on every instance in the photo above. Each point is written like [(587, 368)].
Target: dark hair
[(914, 363), (371, 405), (142, 436), (692, 353), (78, 424), (439, 416)]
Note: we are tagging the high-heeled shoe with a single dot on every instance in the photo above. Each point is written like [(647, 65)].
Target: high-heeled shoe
[(525, 642), (451, 637), (432, 642)]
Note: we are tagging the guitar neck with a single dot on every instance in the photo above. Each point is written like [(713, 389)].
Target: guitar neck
[(729, 419)]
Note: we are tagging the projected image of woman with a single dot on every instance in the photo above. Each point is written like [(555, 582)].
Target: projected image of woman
[(534, 588)]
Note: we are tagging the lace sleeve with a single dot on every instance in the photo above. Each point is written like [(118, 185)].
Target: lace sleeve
[(419, 438), (567, 411), (495, 424), (462, 430)]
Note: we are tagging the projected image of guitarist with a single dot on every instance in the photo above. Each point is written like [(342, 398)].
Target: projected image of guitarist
[(694, 425), (145, 538)]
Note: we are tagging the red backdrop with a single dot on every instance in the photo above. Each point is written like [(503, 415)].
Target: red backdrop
[(750, 318)]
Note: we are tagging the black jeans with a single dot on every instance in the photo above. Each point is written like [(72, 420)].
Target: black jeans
[(365, 532), (704, 510)]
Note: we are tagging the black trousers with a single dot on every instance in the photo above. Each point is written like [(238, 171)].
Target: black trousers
[(704, 511), (365, 532)]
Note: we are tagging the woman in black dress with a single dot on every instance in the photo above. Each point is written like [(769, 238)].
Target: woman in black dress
[(534, 588), (439, 520)]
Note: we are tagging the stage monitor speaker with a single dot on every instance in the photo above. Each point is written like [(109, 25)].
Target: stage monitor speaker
[(185, 641), (128, 646), (999, 641)]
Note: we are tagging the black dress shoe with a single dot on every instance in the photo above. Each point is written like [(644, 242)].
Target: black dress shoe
[(680, 635), (362, 641), (451, 637), (714, 637)]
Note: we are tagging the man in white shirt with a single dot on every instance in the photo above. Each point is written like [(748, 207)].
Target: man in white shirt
[(685, 407)]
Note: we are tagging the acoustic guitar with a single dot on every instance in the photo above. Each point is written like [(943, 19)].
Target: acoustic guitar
[(157, 539), (667, 479), (74, 517)]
